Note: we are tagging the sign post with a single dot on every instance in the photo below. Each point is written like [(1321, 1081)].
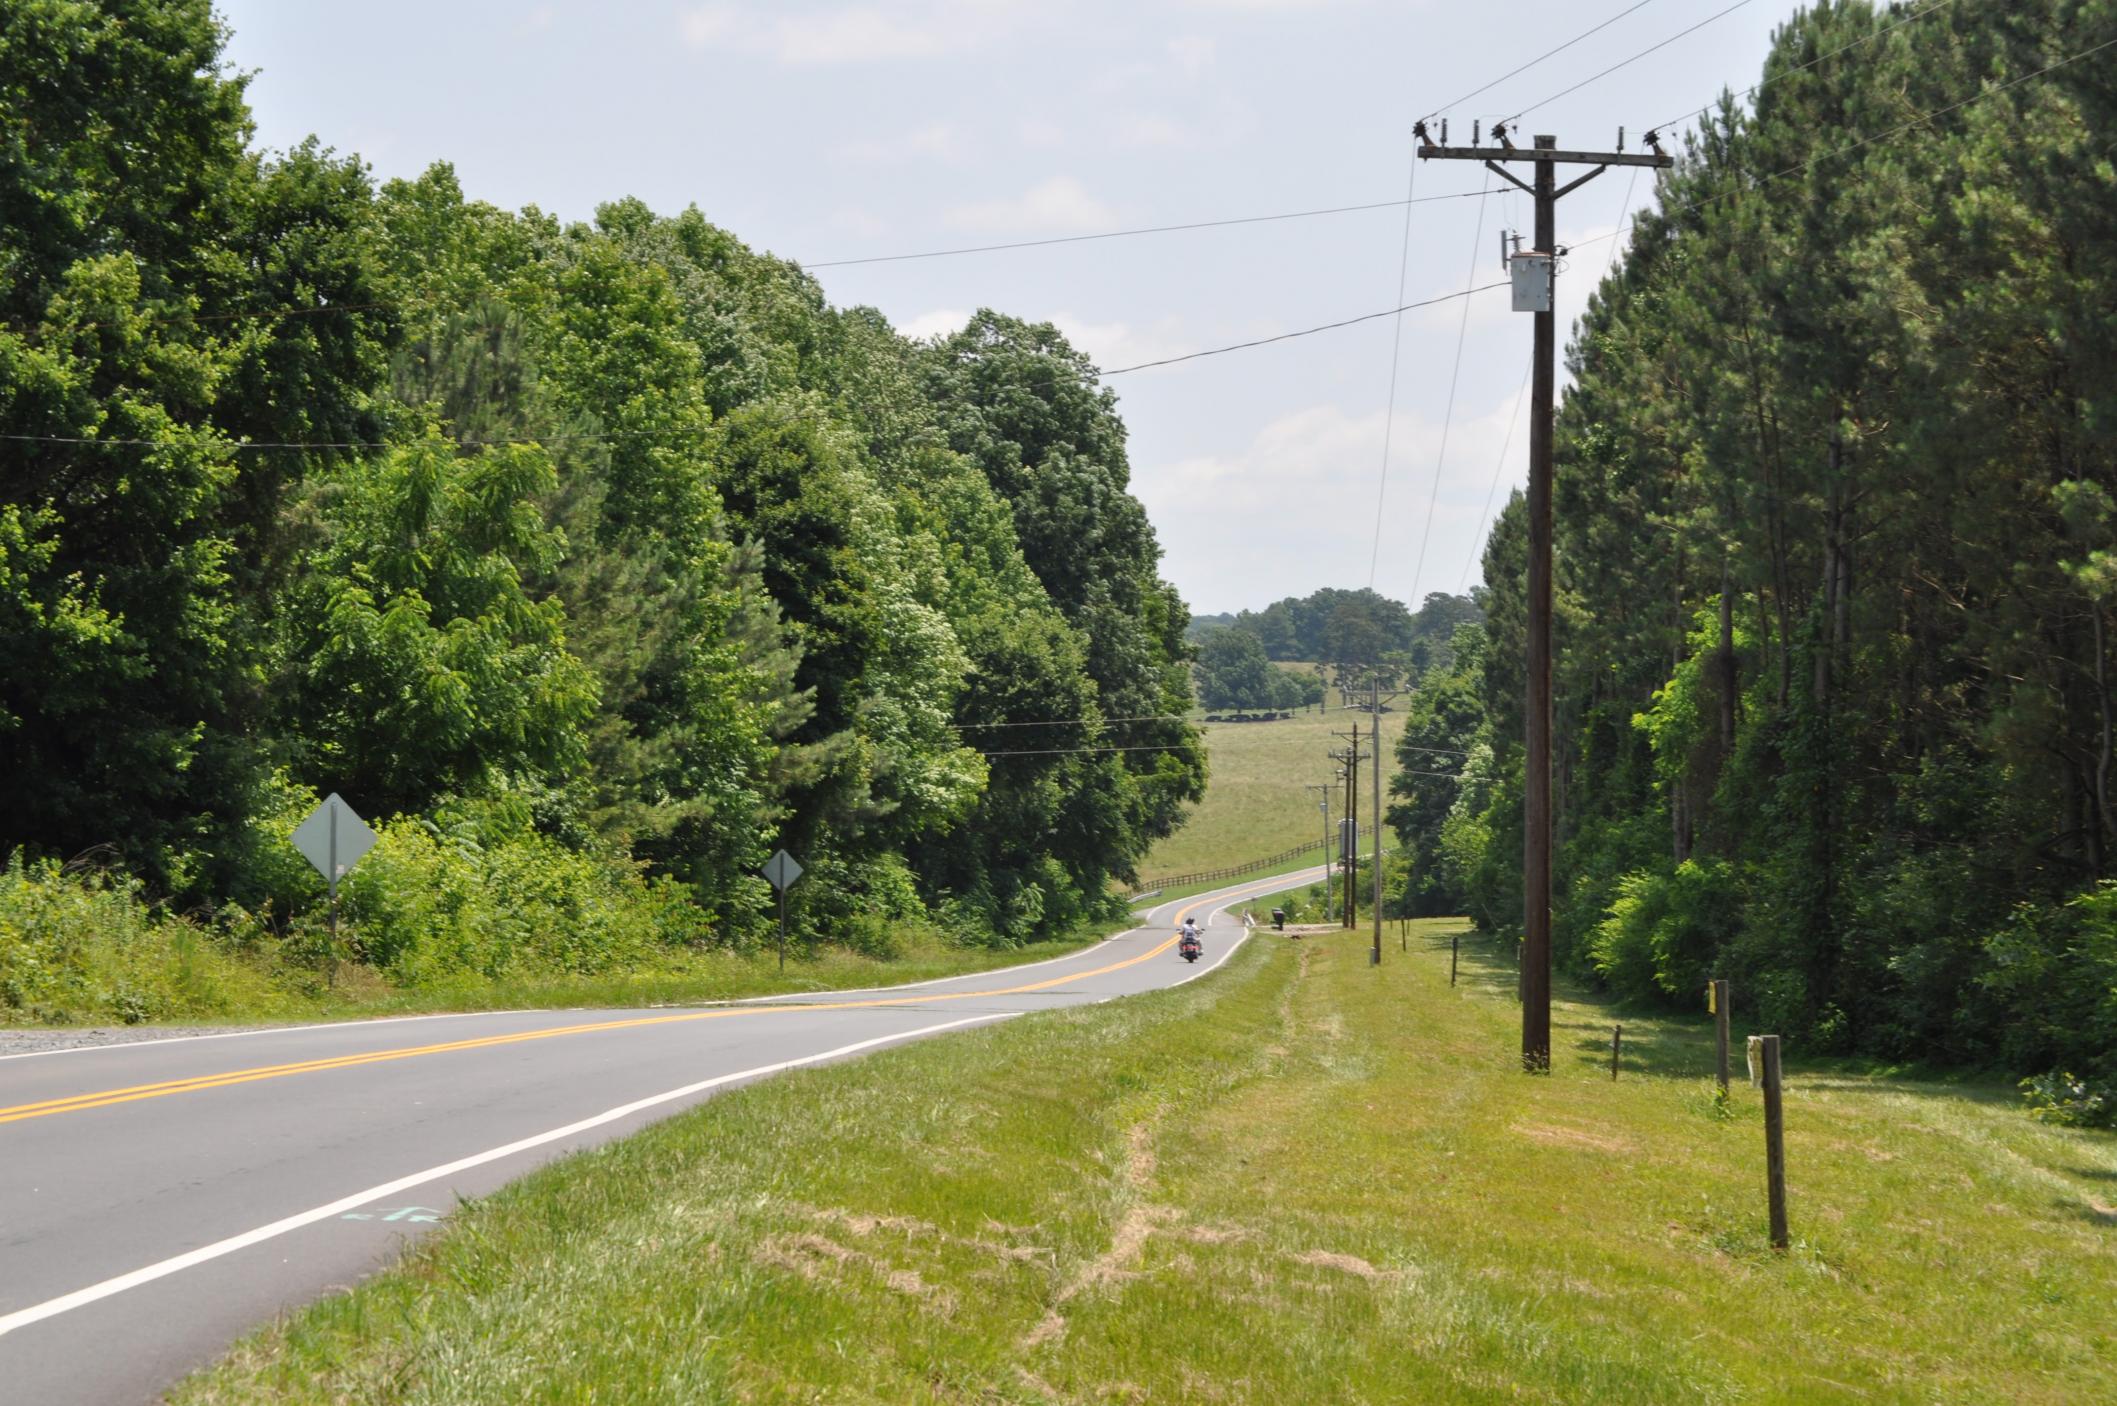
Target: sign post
[(782, 871), (333, 838)]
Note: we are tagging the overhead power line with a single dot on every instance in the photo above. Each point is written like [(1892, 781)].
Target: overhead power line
[(1455, 376), (1088, 751), (1307, 331), (1514, 72), (1084, 378), (1074, 722), (1513, 418), (1147, 229), (1592, 78), (1396, 354), (334, 309), (1800, 166), (1802, 68), (1625, 225)]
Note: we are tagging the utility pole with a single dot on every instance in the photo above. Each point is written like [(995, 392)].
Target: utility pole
[(1342, 777), (1375, 702), (1324, 806), (1535, 289), (1350, 850), (1374, 731)]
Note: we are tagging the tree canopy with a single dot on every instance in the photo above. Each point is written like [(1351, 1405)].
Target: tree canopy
[(617, 527), (1834, 612)]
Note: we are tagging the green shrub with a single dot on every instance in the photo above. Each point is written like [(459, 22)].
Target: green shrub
[(82, 946), (474, 895), (1664, 931), (2053, 971), (2068, 1099)]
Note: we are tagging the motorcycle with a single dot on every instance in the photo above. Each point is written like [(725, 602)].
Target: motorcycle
[(1190, 948)]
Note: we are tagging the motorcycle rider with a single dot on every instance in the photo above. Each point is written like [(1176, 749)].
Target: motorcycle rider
[(1190, 929)]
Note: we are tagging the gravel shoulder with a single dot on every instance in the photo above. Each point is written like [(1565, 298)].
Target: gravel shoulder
[(19, 1042)]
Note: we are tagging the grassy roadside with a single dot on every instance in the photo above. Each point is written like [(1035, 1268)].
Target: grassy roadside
[(252, 998), (1299, 1179)]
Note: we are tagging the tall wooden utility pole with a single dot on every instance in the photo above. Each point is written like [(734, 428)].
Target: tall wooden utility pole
[(1535, 290)]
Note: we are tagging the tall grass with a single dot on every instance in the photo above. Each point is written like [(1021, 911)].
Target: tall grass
[(430, 926)]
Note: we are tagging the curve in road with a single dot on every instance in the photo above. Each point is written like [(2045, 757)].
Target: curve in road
[(159, 1199)]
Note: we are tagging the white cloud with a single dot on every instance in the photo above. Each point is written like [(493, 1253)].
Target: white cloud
[(1294, 509), (851, 34), (1120, 343), (851, 219), (1191, 53), (1106, 343), (937, 141), (1041, 134), (1151, 129), (539, 19), (1060, 205), (939, 323)]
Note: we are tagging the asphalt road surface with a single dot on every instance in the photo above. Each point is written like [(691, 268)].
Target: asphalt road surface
[(159, 1199)]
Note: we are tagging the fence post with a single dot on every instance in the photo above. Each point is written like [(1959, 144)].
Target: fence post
[(1454, 939), (1719, 989), (1617, 1039), (1774, 1142)]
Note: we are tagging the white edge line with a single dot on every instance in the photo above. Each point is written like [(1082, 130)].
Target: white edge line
[(79, 1298)]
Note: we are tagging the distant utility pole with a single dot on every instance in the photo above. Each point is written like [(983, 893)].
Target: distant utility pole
[(1350, 850), (1375, 702), (1324, 791), (1339, 777), (1535, 289)]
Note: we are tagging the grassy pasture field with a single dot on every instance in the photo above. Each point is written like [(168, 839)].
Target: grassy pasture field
[(1254, 805), (1299, 1179)]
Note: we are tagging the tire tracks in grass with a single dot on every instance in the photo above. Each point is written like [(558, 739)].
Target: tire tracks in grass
[(1134, 1186)]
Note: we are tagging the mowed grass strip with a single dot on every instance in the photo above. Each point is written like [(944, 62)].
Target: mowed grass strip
[(1297, 1180)]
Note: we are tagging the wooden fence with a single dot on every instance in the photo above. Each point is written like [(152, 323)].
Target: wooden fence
[(1149, 887)]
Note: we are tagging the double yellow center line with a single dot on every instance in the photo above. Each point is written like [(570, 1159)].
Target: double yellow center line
[(104, 1098)]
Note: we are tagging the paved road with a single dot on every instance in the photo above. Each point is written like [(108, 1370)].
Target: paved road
[(159, 1199)]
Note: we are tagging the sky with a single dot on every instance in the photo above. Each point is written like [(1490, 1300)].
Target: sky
[(821, 130)]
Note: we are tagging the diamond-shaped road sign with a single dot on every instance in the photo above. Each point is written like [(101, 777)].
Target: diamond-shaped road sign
[(781, 870), (333, 838)]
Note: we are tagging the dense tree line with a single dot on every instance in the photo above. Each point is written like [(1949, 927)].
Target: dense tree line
[(1233, 672), (1355, 636), (610, 537), (1834, 561)]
